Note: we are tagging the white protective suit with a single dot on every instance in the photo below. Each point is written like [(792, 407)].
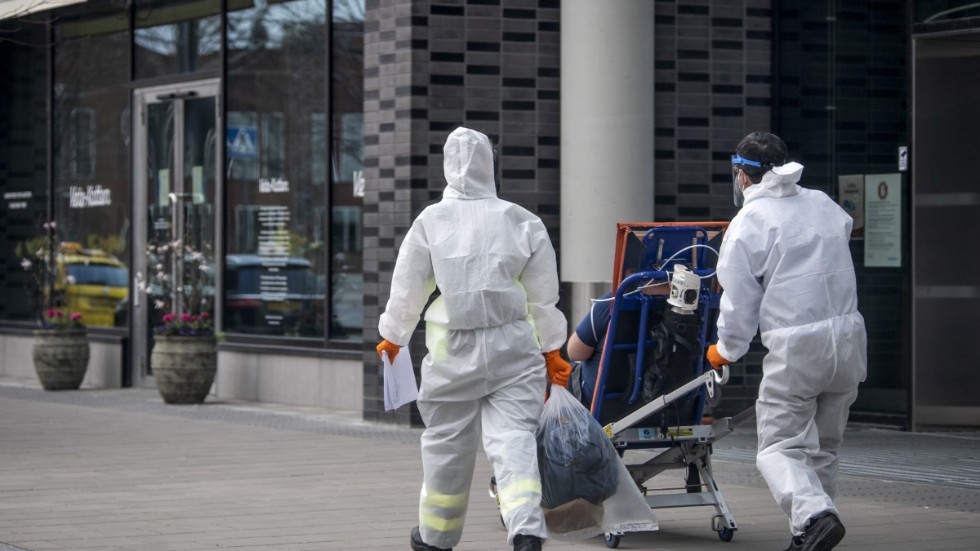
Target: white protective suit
[(786, 269), (496, 271)]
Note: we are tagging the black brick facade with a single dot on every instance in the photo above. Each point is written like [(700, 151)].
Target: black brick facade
[(722, 69), (492, 65)]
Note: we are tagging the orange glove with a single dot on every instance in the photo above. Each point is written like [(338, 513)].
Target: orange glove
[(558, 368), (716, 359), (389, 347)]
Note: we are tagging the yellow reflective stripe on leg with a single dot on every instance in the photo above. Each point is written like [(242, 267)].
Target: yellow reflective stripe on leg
[(446, 501), (439, 524), (518, 493), (509, 506)]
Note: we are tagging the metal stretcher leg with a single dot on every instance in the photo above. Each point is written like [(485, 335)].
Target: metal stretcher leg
[(723, 522), (684, 455)]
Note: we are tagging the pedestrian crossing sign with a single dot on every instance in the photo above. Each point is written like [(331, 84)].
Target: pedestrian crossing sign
[(241, 142)]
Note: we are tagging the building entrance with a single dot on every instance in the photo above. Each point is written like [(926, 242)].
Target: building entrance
[(945, 211), (176, 187)]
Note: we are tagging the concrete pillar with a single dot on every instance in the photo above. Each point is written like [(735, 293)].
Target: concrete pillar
[(607, 134)]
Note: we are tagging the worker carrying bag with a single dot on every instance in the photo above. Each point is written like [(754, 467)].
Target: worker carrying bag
[(586, 489)]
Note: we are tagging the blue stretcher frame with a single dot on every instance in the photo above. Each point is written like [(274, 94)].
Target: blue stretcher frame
[(662, 241), (628, 299), (686, 446)]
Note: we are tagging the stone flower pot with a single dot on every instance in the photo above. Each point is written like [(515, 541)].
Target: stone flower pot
[(184, 367), (60, 357)]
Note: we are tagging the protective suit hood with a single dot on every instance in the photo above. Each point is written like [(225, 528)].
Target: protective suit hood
[(778, 182), (468, 165)]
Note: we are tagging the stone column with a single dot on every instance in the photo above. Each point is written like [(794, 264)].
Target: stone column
[(607, 135)]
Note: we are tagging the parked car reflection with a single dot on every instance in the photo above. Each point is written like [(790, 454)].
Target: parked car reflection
[(94, 283), (273, 295)]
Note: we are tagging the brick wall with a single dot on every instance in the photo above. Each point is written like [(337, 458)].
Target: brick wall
[(713, 67), (492, 65), (713, 86)]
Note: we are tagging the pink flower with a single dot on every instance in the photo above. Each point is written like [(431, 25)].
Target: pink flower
[(185, 317), (204, 315), (75, 316), (51, 313), (167, 318)]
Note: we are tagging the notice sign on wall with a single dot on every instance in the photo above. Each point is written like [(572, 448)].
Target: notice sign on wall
[(851, 197), (883, 220)]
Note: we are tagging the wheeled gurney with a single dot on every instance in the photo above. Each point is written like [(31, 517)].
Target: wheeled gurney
[(654, 381)]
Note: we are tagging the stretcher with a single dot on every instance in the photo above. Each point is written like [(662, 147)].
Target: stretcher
[(654, 382)]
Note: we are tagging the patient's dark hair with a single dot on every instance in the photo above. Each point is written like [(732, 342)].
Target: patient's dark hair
[(768, 149)]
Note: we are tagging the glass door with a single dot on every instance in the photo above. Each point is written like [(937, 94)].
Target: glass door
[(176, 186)]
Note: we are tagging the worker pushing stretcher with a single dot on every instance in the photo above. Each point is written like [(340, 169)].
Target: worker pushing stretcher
[(649, 384), (785, 267), (494, 333)]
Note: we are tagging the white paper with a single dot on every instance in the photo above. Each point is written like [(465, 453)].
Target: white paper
[(399, 377)]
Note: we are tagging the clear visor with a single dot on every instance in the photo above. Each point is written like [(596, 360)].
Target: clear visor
[(737, 196)]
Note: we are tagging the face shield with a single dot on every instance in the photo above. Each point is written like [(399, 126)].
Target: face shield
[(737, 162)]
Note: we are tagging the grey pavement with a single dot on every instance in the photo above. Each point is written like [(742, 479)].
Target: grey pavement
[(113, 470)]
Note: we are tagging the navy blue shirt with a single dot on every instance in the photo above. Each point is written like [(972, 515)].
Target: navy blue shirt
[(592, 332)]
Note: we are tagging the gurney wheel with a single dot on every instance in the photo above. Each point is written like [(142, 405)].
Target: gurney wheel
[(726, 534), (612, 540)]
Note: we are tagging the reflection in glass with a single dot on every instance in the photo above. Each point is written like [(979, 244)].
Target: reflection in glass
[(196, 265), (24, 182), (91, 164), (275, 269), (932, 11), (180, 176), (159, 175), (284, 169), (347, 162), (172, 38)]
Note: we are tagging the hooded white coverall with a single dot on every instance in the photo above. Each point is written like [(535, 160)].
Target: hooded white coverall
[(786, 269), (496, 271)]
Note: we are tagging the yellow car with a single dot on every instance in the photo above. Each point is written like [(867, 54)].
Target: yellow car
[(93, 283)]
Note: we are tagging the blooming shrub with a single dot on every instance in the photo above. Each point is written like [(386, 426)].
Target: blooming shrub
[(186, 325), (58, 319)]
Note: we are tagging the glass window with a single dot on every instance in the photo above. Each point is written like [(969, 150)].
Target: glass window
[(275, 273), (844, 114), (91, 164), (934, 11), (82, 142), (177, 37), (347, 160), (23, 168)]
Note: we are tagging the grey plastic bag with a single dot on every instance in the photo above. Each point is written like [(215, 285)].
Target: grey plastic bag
[(586, 488)]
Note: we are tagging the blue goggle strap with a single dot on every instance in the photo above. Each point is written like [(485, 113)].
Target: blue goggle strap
[(739, 160)]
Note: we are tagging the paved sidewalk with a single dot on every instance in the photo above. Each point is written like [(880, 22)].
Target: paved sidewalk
[(113, 470)]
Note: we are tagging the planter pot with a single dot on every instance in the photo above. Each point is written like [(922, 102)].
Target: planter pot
[(184, 367), (60, 358)]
